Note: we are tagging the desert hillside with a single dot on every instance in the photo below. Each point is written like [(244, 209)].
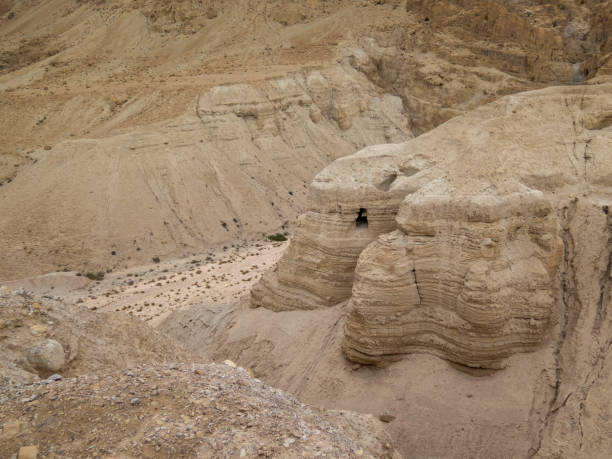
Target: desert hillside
[(394, 211), (142, 129)]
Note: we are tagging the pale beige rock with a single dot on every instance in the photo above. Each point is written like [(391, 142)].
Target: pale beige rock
[(464, 279), (553, 402), (39, 329), (47, 356), (28, 452), (462, 253), (11, 429), (115, 131), (317, 269)]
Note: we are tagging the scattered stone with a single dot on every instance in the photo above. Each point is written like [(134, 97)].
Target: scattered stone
[(28, 452), (386, 417), (288, 442), (229, 363), (11, 429), (221, 412), (47, 356), (39, 329)]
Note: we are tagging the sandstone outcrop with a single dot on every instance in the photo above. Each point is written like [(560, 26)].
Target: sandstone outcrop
[(464, 248)]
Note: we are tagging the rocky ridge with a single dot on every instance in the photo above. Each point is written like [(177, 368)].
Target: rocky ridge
[(230, 169)]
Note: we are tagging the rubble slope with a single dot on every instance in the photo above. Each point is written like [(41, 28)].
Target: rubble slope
[(179, 411)]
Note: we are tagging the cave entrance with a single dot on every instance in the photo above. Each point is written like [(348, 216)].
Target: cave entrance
[(362, 218)]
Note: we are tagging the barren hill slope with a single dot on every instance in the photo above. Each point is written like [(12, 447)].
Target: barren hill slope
[(174, 127), (42, 335)]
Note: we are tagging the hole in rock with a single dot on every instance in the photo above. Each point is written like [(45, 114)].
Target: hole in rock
[(362, 218)]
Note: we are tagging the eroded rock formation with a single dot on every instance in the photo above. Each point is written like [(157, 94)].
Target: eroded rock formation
[(460, 272), (465, 251)]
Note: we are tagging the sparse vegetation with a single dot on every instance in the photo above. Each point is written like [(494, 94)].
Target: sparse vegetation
[(95, 276), (278, 237)]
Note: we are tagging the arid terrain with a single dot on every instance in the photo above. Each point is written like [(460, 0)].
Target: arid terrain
[(440, 169)]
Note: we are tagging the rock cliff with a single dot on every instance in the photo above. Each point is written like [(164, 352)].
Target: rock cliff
[(456, 242)]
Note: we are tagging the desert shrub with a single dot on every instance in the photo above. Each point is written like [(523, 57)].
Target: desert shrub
[(277, 237), (95, 276)]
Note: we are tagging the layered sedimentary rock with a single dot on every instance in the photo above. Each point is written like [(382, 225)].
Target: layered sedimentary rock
[(351, 202), (239, 103), (463, 54), (463, 250), (460, 270), (235, 166)]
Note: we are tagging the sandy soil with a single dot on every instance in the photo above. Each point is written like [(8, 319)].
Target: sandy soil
[(151, 292)]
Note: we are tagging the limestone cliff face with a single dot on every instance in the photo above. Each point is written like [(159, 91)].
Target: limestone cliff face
[(460, 54), (464, 250), (317, 269), (461, 272), (239, 103)]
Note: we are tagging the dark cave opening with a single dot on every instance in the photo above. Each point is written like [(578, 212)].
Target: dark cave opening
[(362, 218)]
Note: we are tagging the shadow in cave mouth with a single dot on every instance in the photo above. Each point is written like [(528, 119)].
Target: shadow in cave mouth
[(362, 218)]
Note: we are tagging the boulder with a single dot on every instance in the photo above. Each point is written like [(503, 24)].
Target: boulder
[(47, 356)]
